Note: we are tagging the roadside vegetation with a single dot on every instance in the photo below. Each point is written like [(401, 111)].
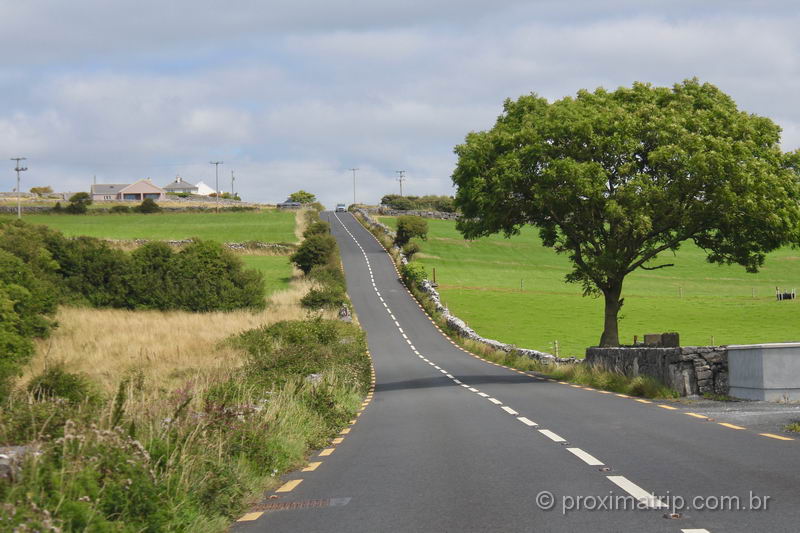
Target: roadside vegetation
[(419, 203), (149, 420)]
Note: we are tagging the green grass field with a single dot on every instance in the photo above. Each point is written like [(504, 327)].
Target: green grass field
[(276, 268), (513, 290), (268, 225)]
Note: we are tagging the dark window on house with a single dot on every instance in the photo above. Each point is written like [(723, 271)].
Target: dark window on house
[(152, 195), (130, 196)]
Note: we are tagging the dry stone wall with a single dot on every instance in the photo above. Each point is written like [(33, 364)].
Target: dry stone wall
[(453, 321), (690, 370)]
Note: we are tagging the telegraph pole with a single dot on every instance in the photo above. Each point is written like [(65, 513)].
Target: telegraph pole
[(354, 185), (216, 179), (19, 169), (232, 180), (401, 178)]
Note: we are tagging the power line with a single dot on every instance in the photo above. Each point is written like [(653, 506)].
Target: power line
[(401, 178), (19, 169), (354, 184), (216, 179)]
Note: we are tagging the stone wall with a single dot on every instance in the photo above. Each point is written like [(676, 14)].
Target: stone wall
[(385, 211), (453, 321), (690, 370)]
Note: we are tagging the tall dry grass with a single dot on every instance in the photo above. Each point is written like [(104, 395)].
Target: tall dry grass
[(170, 348)]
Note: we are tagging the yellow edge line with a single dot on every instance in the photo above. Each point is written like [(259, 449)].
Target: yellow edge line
[(249, 517), (697, 416), (732, 426), (326, 452), (661, 405), (772, 436), (312, 466), (289, 486)]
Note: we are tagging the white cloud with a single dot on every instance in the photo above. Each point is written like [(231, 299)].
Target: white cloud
[(292, 95)]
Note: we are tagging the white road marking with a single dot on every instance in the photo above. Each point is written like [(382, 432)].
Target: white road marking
[(456, 381), (465, 385), (509, 410), (495, 401), (472, 389), (401, 329), (585, 457), (483, 394), (695, 531), (443, 371), (449, 376), (526, 421), (552, 436), (637, 492)]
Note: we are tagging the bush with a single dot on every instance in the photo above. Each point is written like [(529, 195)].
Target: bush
[(410, 250), (409, 227), (328, 274), (302, 197), (57, 208), (151, 278), (317, 228), (56, 382), (79, 203), (147, 206), (120, 209), (208, 277), (315, 250), (413, 274), (330, 297)]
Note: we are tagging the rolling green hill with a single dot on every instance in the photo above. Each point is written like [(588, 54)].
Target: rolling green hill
[(513, 290)]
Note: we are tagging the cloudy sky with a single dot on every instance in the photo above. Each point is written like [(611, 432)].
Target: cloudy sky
[(291, 94)]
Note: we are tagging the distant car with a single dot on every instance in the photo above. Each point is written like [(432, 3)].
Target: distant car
[(340, 208)]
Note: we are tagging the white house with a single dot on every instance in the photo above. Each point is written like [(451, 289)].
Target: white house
[(204, 190)]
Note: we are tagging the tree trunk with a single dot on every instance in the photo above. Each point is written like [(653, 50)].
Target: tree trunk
[(610, 335)]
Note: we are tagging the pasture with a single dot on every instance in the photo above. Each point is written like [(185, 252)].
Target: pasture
[(513, 290), (267, 225)]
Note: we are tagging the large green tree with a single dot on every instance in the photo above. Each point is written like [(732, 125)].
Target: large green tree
[(302, 197), (616, 179)]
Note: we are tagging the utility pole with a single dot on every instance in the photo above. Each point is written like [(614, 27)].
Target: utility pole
[(19, 169), (354, 185), (216, 179), (232, 180), (401, 178)]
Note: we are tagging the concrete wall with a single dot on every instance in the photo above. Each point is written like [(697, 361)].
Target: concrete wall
[(690, 370), (765, 371)]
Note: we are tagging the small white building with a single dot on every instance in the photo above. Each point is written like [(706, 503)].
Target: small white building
[(204, 190)]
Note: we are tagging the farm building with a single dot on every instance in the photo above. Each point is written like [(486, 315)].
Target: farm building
[(137, 191), (181, 186), (203, 189)]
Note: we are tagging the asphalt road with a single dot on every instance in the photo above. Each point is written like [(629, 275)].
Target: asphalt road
[(453, 443)]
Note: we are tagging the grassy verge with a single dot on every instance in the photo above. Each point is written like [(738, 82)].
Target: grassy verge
[(580, 373), (794, 427), (175, 421)]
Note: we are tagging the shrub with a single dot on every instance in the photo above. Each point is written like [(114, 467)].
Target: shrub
[(57, 208), (328, 274), (329, 297), (38, 191), (413, 274), (207, 277), (79, 203), (409, 227), (94, 272), (317, 228), (147, 206), (56, 382), (151, 282), (410, 250), (120, 209), (302, 197), (315, 250)]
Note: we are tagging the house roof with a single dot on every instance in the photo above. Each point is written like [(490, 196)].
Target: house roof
[(179, 185), (142, 186), (108, 188)]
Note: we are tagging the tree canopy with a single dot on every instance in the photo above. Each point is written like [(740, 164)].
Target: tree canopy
[(302, 197), (614, 179)]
